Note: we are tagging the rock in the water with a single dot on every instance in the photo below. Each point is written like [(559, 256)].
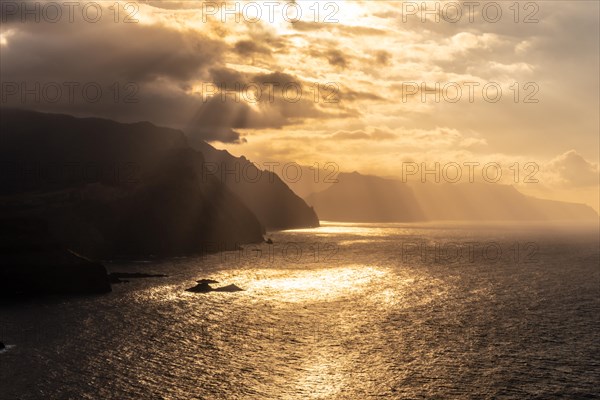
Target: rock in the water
[(2, 346), (229, 288), (203, 287), (207, 281)]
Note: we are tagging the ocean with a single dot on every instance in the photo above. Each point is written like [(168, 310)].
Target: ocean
[(343, 312)]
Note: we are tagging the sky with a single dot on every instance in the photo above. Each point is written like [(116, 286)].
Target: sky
[(371, 86)]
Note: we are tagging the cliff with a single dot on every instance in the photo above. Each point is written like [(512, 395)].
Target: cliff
[(117, 190), (263, 191)]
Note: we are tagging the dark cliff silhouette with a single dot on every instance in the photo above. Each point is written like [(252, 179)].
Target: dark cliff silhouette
[(263, 191), (109, 189), (362, 198)]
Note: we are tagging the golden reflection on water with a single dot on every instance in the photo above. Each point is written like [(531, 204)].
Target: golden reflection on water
[(338, 228), (322, 377), (315, 319), (286, 285), (313, 285), (351, 242)]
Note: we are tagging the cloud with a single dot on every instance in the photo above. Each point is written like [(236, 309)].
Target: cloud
[(137, 71), (157, 64), (172, 52), (382, 57), (354, 95), (250, 48), (337, 58), (375, 134), (571, 169), (348, 30)]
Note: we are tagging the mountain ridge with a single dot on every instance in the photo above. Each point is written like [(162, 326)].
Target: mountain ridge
[(368, 198), (109, 189)]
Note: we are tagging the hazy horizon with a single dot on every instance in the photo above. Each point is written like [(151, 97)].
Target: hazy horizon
[(367, 86)]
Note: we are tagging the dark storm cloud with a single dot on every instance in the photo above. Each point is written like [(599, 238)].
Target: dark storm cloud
[(148, 53), (282, 99), (220, 117), (142, 70), (259, 47), (250, 48), (227, 77), (157, 66)]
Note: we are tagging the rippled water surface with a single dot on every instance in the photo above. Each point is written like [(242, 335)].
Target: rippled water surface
[(339, 312)]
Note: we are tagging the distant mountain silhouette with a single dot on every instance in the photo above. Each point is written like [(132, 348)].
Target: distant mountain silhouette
[(363, 198), (109, 189), (307, 180)]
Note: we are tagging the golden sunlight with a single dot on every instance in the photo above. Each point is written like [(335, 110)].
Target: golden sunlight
[(315, 285)]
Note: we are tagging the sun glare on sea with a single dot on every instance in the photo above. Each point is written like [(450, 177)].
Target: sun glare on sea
[(315, 285), (337, 228)]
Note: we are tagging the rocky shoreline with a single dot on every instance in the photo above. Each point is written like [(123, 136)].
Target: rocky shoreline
[(32, 262)]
